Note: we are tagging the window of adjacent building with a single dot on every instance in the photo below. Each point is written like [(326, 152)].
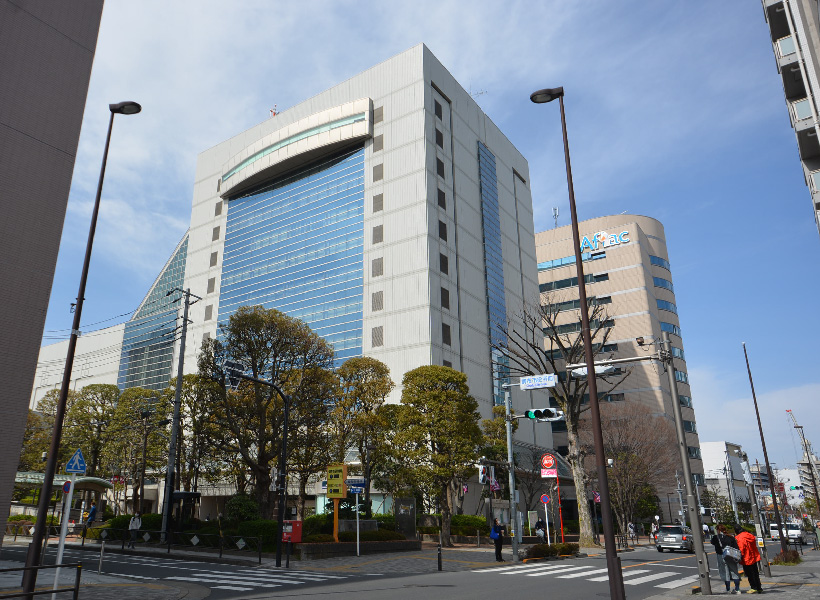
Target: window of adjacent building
[(445, 298), (442, 199), (378, 143), (664, 305), (443, 264), (660, 262), (377, 301), (437, 109), (378, 172), (378, 114), (698, 479), (685, 401), (439, 138), (440, 167), (378, 202), (560, 284), (575, 327), (681, 376), (694, 451), (218, 184), (678, 353), (802, 109), (218, 209), (442, 230), (664, 283), (206, 336), (214, 257), (377, 336), (670, 328), (377, 267), (569, 260), (690, 427), (786, 46), (814, 179), (215, 235), (378, 234), (209, 312), (445, 334), (211, 285), (447, 364)]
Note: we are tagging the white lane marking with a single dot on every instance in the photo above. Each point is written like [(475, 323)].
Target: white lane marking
[(556, 571), (504, 569), (223, 581), (248, 579), (678, 582), (583, 574), (294, 573), (134, 576), (536, 570), (231, 587), (654, 576), (606, 577)]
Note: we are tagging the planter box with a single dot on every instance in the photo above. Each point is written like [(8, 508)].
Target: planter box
[(332, 549)]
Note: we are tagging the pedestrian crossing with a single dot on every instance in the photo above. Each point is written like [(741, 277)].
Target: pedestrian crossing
[(664, 579), (246, 580)]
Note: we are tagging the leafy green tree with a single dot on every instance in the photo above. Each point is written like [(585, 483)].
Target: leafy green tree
[(36, 440), (90, 416), (359, 419), (713, 499), (247, 422), (438, 434), (40, 439)]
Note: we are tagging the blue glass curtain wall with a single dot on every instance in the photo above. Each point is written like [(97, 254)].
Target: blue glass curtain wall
[(296, 245), (493, 267), (148, 341)]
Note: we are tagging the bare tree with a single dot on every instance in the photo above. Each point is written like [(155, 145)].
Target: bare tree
[(644, 453), (545, 338)]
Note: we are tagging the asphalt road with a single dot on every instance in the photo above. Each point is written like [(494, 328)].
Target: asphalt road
[(646, 573)]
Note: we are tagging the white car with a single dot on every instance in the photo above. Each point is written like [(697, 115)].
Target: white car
[(794, 531)]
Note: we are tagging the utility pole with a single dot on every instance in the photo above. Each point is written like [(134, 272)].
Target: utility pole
[(747, 477), (172, 449), (784, 543), (809, 457), (513, 504)]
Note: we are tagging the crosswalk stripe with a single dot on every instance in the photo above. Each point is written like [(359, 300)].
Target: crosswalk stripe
[(556, 571), (223, 581), (654, 576), (501, 569), (232, 587), (303, 574), (583, 574), (678, 582), (535, 570), (240, 578), (606, 577)]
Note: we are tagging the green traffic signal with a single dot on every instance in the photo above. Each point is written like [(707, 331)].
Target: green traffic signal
[(541, 413)]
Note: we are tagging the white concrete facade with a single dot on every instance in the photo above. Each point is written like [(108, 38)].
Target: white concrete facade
[(722, 470)]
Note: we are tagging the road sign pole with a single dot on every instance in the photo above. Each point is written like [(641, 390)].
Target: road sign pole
[(63, 531), (511, 464), (547, 519), (560, 512), (357, 523)]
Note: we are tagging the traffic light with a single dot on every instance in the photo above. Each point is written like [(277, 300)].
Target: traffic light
[(544, 414), (483, 472)]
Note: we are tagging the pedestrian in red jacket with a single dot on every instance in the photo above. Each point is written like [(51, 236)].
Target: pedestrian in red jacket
[(750, 556)]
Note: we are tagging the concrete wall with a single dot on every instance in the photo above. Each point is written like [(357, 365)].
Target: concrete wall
[(46, 53)]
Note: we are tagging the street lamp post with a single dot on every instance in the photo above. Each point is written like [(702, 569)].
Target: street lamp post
[(616, 583), (33, 556)]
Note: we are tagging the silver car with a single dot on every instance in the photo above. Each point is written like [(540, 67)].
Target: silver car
[(675, 537)]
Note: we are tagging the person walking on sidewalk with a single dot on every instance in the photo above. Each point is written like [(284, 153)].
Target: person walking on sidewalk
[(496, 534), (727, 567), (134, 527), (750, 558)]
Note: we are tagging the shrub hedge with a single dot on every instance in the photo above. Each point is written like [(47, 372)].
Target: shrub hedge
[(380, 535), (318, 538), (545, 550)]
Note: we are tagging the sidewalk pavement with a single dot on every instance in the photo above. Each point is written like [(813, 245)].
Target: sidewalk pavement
[(786, 583), (98, 587)]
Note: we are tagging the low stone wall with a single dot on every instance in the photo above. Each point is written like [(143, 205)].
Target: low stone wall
[(329, 550)]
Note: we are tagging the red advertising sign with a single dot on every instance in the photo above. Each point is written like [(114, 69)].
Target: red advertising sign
[(547, 461)]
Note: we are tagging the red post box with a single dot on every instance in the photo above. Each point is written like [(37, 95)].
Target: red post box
[(292, 531)]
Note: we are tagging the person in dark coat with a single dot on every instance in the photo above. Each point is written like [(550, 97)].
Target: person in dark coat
[(750, 556), (498, 532), (726, 566)]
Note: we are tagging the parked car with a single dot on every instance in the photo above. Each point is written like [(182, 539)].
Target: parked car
[(675, 537)]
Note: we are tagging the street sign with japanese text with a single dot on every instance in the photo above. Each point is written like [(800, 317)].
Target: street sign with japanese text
[(535, 382), (551, 473), (336, 475)]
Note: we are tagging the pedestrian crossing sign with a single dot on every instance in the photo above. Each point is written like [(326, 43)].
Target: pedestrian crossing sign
[(76, 464)]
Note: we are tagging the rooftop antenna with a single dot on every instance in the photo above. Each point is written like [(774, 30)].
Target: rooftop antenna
[(555, 215), (274, 111)]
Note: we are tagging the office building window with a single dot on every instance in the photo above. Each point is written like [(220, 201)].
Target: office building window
[(690, 427), (377, 267), (664, 283), (576, 304), (445, 298), (694, 452), (560, 284), (378, 336), (685, 401), (437, 109), (209, 312), (439, 139), (378, 203), (447, 364), (377, 301), (442, 199), (214, 256), (443, 264), (378, 172), (206, 336), (678, 353), (660, 262), (378, 143), (670, 328), (664, 305), (378, 114), (211, 285), (569, 260), (681, 376), (442, 230), (575, 327), (378, 234), (445, 334), (215, 234), (440, 168), (218, 208)]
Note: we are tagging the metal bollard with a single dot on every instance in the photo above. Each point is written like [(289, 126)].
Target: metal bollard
[(102, 551), (439, 556), (77, 581), (477, 538), (287, 556)]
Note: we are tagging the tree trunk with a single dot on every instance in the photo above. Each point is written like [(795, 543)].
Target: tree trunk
[(368, 509), (579, 478), (300, 501), (446, 515)]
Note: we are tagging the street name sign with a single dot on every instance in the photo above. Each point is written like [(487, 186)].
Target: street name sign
[(354, 481), (535, 382), (355, 489), (76, 464)]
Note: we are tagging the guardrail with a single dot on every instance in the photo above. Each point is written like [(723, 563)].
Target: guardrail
[(75, 588), (182, 539)]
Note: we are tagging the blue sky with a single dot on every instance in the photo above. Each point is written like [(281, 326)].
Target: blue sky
[(675, 111)]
